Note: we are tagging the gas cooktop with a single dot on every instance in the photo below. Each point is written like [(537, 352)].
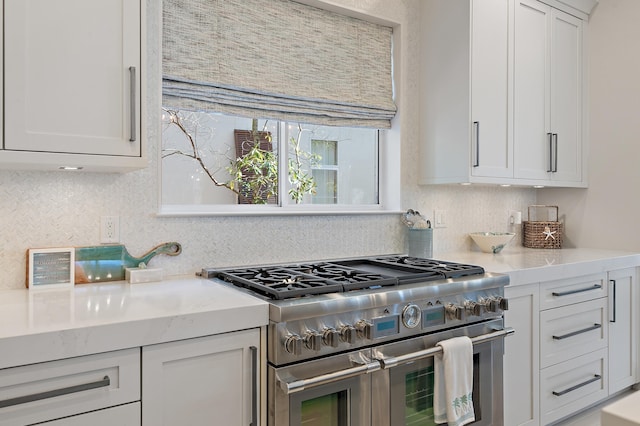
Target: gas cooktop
[(308, 279)]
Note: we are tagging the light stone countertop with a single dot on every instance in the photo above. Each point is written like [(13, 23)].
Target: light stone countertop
[(43, 325), (526, 265), (37, 326)]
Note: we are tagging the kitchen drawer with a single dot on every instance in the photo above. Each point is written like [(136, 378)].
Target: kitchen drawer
[(51, 390), (568, 387), (572, 290), (122, 415), (573, 330)]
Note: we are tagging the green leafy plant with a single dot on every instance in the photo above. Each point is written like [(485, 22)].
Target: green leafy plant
[(301, 181), (254, 174)]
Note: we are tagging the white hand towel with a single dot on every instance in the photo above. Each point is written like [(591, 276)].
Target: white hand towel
[(453, 382)]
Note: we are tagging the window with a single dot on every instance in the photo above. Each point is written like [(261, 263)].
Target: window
[(211, 160), (227, 60)]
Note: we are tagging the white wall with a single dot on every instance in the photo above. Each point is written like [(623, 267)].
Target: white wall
[(60, 209), (606, 215)]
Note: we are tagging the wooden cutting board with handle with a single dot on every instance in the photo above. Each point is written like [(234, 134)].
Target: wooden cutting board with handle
[(108, 262)]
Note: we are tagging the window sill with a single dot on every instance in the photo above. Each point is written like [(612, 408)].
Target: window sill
[(243, 210)]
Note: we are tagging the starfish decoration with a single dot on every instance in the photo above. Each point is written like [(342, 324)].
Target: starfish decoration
[(549, 233)]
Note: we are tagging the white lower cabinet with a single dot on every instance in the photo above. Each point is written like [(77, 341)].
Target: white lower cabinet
[(521, 359), (203, 381), (623, 329), (57, 389), (575, 344), (122, 415), (570, 386), (572, 330)]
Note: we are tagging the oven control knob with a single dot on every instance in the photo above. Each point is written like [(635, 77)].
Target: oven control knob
[(473, 308), (313, 340), (364, 329), (348, 334), (331, 337), (503, 303), (293, 344), (454, 311), (488, 304), (411, 315)]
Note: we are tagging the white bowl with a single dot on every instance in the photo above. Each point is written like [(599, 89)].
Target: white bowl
[(492, 242)]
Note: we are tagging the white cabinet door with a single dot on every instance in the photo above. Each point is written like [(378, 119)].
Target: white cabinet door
[(531, 88), (464, 91), (623, 329), (491, 145), (72, 81), (203, 381), (521, 359), (566, 97), (548, 87)]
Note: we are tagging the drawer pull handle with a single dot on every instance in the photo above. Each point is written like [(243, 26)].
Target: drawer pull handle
[(584, 330), (613, 289), (56, 392), (132, 100), (254, 385), (595, 378), (580, 290), (476, 126)]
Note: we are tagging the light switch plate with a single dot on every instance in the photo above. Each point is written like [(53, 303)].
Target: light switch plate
[(439, 218)]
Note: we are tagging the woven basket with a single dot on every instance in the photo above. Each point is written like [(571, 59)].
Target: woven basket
[(542, 234)]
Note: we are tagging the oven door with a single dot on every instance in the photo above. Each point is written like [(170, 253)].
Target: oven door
[(403, 390), (333, 391)]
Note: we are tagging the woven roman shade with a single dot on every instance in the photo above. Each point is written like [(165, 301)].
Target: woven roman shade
[(276, 59)]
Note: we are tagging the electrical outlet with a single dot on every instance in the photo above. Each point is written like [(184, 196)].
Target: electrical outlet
[(439, 219), (109, 229)]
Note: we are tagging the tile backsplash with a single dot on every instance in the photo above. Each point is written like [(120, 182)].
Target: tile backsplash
[(63, 209)]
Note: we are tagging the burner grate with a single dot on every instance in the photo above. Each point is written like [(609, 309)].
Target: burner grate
[(350, 278), (447, 269), (308, 279), (279, 283)]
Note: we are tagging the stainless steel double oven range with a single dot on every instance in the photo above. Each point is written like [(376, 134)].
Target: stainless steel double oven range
[(352, 342)]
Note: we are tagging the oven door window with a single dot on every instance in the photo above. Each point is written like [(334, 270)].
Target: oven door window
[(412, 390), (338, 404)]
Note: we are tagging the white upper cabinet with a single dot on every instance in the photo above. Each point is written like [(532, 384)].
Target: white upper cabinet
[(491, 145), (548, 95), (72, 84), (465, 114), (502, 94)]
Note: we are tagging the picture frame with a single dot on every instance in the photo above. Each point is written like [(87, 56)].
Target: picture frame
[(50, 268)]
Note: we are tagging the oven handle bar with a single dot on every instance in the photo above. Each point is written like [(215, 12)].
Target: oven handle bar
[(414, 356), (300, 385)]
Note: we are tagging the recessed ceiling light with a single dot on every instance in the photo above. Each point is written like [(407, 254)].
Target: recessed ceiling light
[(70, 168)]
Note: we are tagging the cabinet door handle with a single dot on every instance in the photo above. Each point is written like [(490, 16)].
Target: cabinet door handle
[(254, 386), (56, 392), (476, 127), (132, 100), (613, 291), (550, 136), (555, 152), (580, 290), (595, 378), (574, 333)]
